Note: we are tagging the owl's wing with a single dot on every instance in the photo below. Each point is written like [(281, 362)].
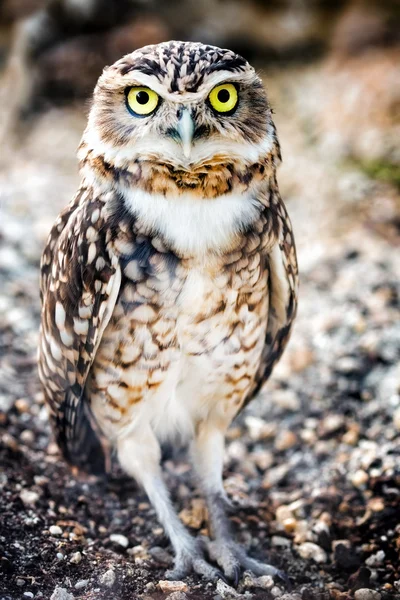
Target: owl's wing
[(283, 290), (80, 281)]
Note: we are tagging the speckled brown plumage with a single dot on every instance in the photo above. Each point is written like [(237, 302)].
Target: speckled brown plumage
[(169, 284)]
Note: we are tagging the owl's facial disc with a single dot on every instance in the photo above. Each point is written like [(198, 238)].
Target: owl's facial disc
[(181, 117)]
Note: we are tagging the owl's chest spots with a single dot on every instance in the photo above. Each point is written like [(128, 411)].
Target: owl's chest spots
[(213, 313), (191, 337)]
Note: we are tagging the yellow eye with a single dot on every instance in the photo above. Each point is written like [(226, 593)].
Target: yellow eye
[(141, 101), (223, 98)]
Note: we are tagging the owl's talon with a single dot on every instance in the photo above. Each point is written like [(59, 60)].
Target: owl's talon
[(283, 577), (194, 562), (236, 576), (233, 560)]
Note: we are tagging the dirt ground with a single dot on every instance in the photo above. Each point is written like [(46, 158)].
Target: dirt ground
[(313, 464)]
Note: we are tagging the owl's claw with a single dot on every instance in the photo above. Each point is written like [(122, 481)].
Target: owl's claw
[(233, 560), (187, 563), (236, 576), (284, 579)]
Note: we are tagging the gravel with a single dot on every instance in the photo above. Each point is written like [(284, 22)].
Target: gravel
[(108, 578), (312, 466)]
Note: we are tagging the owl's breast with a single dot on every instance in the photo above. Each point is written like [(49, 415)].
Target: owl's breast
[(182, 336)]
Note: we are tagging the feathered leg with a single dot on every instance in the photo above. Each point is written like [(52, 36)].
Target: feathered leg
[(139, 455), (208, 451)]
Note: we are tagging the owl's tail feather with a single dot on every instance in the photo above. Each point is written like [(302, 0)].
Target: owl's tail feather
[(77, 435)]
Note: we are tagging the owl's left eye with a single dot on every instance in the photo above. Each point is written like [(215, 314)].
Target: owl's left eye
[(224, 98), (141, 101)]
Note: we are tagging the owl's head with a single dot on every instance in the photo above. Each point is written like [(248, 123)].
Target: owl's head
[(181, 117)]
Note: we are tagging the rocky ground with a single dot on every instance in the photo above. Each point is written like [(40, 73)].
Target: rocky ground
[(313, 464)]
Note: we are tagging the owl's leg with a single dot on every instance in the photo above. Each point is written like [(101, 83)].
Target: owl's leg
[(139, 455), (208, 451)]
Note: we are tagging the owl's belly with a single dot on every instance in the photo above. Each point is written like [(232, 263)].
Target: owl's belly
[(193, 359)]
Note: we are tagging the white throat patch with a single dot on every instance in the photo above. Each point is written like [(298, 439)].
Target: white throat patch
[(193, 226)]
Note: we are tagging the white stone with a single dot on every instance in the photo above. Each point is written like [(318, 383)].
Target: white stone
[(375, 560), (28, 497), (309, 550), (280, 541), (360, 478), (226, 591), (81, 584), (366, 594), (61, 594), (108, 578), (76, 558), (259, 429), (121, 540), (264, 582), (55, 530)]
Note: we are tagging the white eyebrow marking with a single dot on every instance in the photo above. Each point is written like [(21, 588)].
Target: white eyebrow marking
[(136, 77)]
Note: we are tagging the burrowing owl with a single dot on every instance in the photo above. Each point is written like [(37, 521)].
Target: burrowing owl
[(169, 284)]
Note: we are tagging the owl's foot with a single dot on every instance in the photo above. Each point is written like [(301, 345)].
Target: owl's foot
[(187, 562), (233, 560)]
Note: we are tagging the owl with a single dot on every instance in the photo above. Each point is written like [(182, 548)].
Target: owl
[(169, 284)]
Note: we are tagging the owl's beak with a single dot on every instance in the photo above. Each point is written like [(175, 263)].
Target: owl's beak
[(185, 129)]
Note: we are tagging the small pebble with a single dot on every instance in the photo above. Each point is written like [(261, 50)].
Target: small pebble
[(375, 560), (22, 405), (286, 399), (259, 429), (264, 582), (20, 582), (55, 530), (309, 550), (76, 558), (27, 436), (150, 587), (172, 586), (119, 539), (108, 578), (276, 592), (280, 542), (28, 595), (177, 596), (81, 584), (60, 556), (282, 513), (359, 479), (351, 436), (285, 440), (61, 594), (160, 555), (366, 594), (139, 552), (28, 497), (289, 525), (226, 591), (376, 504), (332, 423)]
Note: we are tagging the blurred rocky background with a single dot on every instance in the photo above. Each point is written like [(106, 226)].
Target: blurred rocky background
[(313, 464)]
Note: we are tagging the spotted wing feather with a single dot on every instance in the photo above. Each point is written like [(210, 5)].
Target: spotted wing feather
[(80, 281), (283, 291)]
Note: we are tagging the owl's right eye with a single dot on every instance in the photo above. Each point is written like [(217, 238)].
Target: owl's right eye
[(141, 101)]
